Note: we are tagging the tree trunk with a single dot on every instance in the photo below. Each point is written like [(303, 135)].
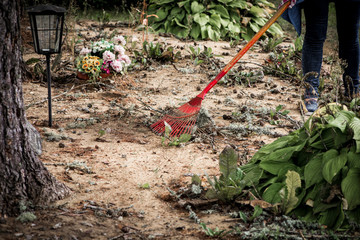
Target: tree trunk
[(23, 177)]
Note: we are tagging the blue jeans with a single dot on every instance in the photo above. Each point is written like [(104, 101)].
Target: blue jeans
[(347, 18)]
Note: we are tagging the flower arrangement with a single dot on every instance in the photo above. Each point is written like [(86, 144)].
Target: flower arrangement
[(104, 57)]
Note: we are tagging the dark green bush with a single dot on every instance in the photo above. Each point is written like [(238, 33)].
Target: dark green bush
[(217, 19)]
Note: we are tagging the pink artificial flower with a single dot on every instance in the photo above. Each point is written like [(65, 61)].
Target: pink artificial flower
[(119, 39), (117, 65), (105, 64), (126, 59), (108, 56), (85, 51), (119, 49)]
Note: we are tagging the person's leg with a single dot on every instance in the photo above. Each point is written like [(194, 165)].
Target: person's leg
[(347, 16), (316, 16)]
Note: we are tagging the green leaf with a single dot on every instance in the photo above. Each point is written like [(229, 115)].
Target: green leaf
[(320, 206), (215, 20), (161, 2), (332, 217), (354, 215), (285, 154), (329, 138), (261, 22), (252, 174), (234, 15), (234, 28), (355, 126), (350, 186), (257, 212), (239, 4), (184, 138), (258, 12), (275, 30), (179, 23), (220, 9), (228, 193), (341, 119), (274, 167), (182, 3), (271, 194), (180, 31), (204, 32), (144, 186), (225, 1), (228, 163), (333, 162), (254, 26), (224, 22), (311, 171), (195, 179), (202, 19), (211, 194), (195, 31), (162, 13), (197, 7), (353, 159), (277, 144), (177, 13), (212, 33), (292, 182)]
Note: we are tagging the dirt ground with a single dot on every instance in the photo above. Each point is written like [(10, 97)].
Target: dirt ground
[(119, 171)]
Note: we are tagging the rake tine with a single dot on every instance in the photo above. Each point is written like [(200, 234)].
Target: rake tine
[(176, 126), (186, 127), (177, 130), (158, 125), (192, 123)]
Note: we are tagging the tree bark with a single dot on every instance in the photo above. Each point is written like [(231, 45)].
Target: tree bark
[(23, 177)]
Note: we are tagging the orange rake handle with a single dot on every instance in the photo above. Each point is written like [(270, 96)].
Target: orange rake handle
[(244, 50)]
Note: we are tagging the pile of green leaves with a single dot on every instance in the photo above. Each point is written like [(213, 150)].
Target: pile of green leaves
[(314, 172), (217, 19)]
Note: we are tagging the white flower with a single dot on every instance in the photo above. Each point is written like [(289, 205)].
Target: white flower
[(125, 59), (108, 56), (117, 65), (119, 39), (85, 51), (119, 49)]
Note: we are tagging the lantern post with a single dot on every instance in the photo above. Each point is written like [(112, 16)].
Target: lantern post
[(47, 23)]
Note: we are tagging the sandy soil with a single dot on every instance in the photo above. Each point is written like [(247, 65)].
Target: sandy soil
[(101, 145)]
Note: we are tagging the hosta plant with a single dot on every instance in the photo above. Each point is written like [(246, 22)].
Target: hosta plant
[(217, 19), (314, 172)]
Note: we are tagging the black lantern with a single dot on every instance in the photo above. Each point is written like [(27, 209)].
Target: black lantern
[(47, 23)]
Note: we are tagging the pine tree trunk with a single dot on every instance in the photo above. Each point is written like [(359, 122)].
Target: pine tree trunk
[(23, 177)]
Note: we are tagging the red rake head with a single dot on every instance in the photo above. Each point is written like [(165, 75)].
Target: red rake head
[(181, 121)]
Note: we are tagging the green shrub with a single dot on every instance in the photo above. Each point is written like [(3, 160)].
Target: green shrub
[(217, 19), (314, 172)]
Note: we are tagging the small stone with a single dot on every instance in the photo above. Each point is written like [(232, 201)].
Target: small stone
[(61, 145), (56, 226)]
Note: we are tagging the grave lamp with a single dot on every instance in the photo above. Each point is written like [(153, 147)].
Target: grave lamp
[(47, 23)]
